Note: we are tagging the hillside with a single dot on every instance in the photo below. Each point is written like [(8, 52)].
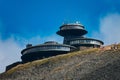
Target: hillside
[(90, 64)]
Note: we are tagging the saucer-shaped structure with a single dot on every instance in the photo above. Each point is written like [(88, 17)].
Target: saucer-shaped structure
[(72, 29), (74, 39), (86, 42), (73, 34), (47, 49)]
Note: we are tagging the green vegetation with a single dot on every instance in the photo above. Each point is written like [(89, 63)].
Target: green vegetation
[(51, 59), (78, 65)]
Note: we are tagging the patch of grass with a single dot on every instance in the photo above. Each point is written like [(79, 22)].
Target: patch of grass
[(57, 69), (27, 65), (51, 59)]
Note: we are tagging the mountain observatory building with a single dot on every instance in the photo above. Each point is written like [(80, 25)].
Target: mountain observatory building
[(74, 39)]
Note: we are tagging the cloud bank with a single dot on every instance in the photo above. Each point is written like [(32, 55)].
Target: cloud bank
[(10, 49), (109, 29), (9, 53)]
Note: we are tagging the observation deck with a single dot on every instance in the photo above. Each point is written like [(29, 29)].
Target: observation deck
[(74, 39), (73, 34), (86, 42), (50, 48), (72, 29)]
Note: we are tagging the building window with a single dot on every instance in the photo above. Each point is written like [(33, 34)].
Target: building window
[(85, 42)]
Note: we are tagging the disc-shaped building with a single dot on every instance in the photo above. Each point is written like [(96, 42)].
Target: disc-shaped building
[(74, 39), (50, 48), (73, 34)]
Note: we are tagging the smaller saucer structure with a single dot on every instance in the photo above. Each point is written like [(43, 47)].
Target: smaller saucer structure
[(50, 48), (73, 34)]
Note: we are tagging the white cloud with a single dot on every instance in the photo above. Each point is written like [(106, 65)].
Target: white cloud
[(10, 49), (9, 53), (109, 29)]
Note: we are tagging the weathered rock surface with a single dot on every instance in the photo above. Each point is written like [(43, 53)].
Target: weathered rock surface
[(91, 64)]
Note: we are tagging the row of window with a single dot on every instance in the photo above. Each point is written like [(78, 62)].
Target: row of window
[(71, 27), (85, 42), (46, 48), (72, 37)]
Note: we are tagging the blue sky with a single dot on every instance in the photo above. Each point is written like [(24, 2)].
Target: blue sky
[(36, 21)]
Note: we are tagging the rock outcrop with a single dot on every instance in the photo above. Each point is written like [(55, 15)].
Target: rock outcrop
[(90, 64)]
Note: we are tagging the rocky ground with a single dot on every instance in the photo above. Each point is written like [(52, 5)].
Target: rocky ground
[(90, 64)]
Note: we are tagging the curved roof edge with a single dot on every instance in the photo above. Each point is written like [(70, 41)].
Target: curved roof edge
[(40, 45), (72, 31), (89, 39), (72, 24)]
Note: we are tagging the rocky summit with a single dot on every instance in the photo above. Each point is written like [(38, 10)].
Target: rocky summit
[(90, 64)]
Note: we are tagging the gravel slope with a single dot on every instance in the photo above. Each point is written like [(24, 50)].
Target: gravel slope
[(91, 64)]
